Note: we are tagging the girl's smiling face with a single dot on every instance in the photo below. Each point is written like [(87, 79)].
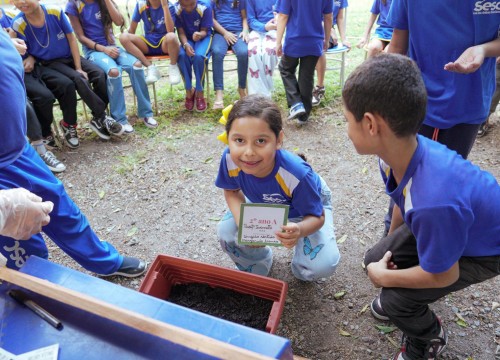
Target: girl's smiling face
[(253, 145)]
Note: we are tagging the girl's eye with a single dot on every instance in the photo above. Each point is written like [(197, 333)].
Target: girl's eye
[(261, 141), (238, 140)]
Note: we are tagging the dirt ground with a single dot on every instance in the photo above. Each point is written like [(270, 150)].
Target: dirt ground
[(154, 193)]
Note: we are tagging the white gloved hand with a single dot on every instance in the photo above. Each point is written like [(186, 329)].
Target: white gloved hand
[(22, 213)]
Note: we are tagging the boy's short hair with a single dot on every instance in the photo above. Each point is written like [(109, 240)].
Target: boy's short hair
[(391, 86)]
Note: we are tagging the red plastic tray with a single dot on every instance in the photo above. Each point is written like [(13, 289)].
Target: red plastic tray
[(167, 271)]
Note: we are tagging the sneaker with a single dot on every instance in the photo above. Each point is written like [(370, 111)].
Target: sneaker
[(377, 311), (435, 348), (153, 75), (303, 119), (130, 267), (97, 125), (127, 128), (189, 102), (174, 74), (150, 122), (113, 126), (484, 129), (201, 104), (49, 141), (52, 163), (318, 94), (296, 110), (70, 135)]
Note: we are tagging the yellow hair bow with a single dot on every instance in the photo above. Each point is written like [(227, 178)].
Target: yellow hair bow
[(223, 120)]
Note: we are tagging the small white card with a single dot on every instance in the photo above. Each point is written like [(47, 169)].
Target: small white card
[(259, 223), (46, 353)]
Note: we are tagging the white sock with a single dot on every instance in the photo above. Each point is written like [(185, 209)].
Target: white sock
[(39, 147)]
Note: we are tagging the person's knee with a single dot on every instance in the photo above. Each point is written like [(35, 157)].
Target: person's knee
[(171, 38), (113, 73), (137, 65), (124, 38)]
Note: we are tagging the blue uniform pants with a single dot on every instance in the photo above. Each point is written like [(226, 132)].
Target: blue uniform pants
[(196, 63), (68, 227)]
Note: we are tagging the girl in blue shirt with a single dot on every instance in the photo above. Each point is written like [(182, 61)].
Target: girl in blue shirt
[(255, 169), (231, 32), (262, 59), (159, 37), (383, 32), (93, 21), (194, 20)]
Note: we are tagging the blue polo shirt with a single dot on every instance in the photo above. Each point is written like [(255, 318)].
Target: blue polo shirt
[(154, 21), (200, 17), (48, 42), (13, 103), (452, 98), (228, 14), (451, 205), (90, 19), (337, 5), (304, 30), (383, 31), (259, 12), (6, 18)]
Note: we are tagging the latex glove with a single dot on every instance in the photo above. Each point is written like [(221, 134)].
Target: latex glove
[(22, 213)]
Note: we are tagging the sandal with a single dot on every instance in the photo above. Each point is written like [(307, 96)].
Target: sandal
[(218, 104)]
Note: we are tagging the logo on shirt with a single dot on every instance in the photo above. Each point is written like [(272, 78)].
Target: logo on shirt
[(98, 15), (161, 21), (197, 23), (274, 198), (485, 7), (336, 3), (60, 36)]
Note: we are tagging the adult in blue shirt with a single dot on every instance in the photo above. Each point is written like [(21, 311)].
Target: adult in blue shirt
[(21, 167)]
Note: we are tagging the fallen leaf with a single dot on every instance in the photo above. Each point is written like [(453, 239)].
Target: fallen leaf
[(214, 219), (494, 305), (101, 194), (116, 210), (393, 342), (339, 295), (132, 231), (386, 329), (362, 242), (460, 317), (344, 333), (363, 310), (208, 160), (364, 170), (342, 239), (461, 323)]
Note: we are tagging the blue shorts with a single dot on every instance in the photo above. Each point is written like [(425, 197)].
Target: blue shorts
[(154, 48), (383, 33)]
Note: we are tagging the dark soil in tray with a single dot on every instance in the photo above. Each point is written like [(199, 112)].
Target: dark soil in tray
[(223, 303)]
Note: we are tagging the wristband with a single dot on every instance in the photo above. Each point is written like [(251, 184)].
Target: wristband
[(95, 46), (184, 46)]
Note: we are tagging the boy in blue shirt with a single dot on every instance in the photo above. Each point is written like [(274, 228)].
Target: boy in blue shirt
[(450, 205), (21, 167), (305, 42), (52, 44)]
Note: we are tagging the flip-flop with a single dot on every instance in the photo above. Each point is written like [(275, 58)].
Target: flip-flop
[(218, 105)]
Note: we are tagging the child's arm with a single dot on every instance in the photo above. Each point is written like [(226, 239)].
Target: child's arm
[(234, 199), (382, 275), (327, 27), (133, 27), (116, 16), (111, 51), (281, 24), (199, 35), (228, 36), (473, 57), (75, 53), (342, 28), (244, 33), (366, 35), (292, 232), (399, 42), (169, 22), (396, 219), (184, 42)]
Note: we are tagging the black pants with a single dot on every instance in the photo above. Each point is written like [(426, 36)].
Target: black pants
[(298, 90), (43, 100), (34, 130), (408, 308), (92, 91)]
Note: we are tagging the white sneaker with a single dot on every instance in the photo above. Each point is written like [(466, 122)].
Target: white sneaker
[(153, 74), (127, 128), (150, 122), (174, 74), (52, 163)]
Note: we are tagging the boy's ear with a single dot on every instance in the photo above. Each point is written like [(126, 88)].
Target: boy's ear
[(281, 136), (371, 122)]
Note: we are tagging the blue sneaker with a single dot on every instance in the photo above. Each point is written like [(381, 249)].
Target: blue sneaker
[(296, 110)]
